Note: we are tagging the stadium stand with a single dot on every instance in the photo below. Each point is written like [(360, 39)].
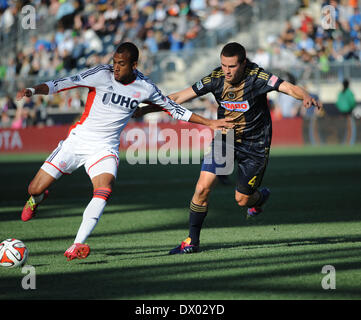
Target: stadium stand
[(179, 40)]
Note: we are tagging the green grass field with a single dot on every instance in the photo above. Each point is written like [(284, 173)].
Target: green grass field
[(311, 220)]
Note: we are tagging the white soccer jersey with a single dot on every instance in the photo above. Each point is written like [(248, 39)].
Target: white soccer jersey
[(110, 104)]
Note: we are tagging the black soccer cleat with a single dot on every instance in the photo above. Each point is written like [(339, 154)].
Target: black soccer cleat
[(256, 210), (185, 247)]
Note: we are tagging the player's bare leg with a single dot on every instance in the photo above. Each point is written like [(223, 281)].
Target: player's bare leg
[(102, 189), (254, 202), (244, 200), (104, 180), (198, 212), (38, 192), (203, 189)]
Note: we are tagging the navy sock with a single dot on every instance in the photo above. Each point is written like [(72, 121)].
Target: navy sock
[(197, 214), (258, 201)]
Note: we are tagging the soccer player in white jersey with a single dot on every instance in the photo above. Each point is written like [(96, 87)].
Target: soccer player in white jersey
[(115, 91)]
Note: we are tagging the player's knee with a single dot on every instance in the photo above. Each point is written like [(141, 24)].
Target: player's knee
[(241, 199)]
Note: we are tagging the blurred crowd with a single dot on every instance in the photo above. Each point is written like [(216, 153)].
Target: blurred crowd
[(36, 111), (306, 41), (85, 32), (305, 38)]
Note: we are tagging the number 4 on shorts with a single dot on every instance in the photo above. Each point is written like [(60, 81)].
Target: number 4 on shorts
[(252, 181)]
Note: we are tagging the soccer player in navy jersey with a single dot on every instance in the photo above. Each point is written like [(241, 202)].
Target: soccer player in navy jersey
[(115, 91), (240, 88)]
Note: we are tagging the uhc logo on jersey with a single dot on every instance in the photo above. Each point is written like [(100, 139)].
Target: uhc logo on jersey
[(240, 106), (120, 100)]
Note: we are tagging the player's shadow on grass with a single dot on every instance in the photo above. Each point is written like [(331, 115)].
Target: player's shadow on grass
[(305, 189), (246, 245), (290, 242), (162, 250), (72, 209), (259, 275), (97, 234)]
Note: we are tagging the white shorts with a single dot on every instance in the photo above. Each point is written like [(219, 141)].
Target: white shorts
[(65, 159)]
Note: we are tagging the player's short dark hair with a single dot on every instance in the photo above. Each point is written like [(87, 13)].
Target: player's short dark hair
[(234, 49), (130, 48)]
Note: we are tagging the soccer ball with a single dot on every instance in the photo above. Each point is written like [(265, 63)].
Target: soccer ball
[(13, 253)]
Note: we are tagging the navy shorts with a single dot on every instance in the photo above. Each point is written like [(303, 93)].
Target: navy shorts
[(250, 167)]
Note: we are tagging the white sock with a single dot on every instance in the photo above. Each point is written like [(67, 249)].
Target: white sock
[(91, 215)]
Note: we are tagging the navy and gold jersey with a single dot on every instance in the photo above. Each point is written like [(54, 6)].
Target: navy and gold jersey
[(246, 103)]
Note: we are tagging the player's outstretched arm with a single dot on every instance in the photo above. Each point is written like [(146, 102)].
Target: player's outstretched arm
[(176, 111), (195, 118), (178, 97), (189, 94), (183, 95), (213, 124), (148, 108), (298, 93), (28, 92)]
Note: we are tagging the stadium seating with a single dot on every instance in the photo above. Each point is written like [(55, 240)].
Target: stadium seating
[(72, 35)]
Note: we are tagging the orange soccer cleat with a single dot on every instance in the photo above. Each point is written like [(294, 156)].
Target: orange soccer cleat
[(29, 209), (77, 250)]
